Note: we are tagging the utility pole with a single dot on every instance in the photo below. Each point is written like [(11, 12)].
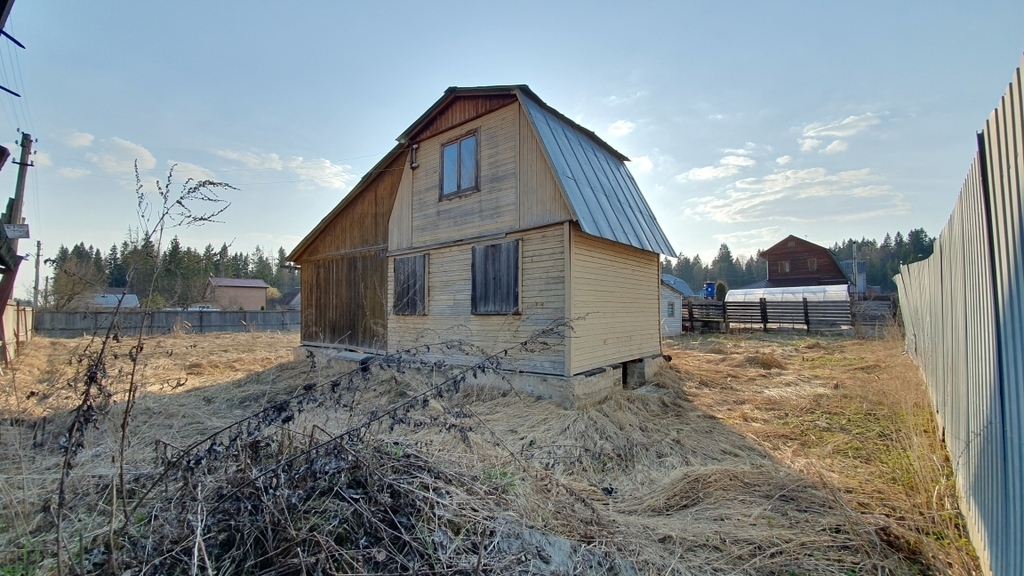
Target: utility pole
[(14, 217), (35, 288), (19, 190)]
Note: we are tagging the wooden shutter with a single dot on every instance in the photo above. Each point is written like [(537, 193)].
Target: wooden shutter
[(411, 285), (496, 278)]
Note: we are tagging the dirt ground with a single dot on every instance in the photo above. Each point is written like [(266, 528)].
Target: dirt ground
[(754, 454)]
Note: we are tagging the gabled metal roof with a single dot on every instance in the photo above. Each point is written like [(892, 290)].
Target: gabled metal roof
[(597, 184), (677, 284)]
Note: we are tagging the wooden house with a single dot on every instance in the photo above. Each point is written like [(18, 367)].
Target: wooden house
[(493, 217), (673, 292), (236, 294), (797, 262)]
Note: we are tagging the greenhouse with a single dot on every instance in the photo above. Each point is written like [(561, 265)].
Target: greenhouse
[(833, 293)]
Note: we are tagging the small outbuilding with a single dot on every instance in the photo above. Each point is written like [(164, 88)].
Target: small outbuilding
[(236, 293), (673, 292), (495, 216)]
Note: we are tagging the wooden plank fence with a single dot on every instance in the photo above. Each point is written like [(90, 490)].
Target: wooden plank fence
[(963, 313), (765, 314), (75, 324)]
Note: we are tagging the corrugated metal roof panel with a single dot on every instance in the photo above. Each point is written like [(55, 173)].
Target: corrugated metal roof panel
[(677, 284), (600, 189)]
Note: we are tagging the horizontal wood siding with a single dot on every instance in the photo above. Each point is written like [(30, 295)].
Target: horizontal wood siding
[(343, 301), (671, 325), (799, 256), (617, 288), (400, 225), (541, 200), (542, 299), (491, 209)]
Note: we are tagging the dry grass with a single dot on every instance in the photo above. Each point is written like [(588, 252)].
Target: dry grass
[(779, 455)]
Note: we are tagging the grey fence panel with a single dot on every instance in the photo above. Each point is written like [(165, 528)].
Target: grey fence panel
[(75, 324), (963, 312)]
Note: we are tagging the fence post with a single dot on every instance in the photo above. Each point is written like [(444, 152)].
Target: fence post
[(689, 312), (807, 314), (764, 315)]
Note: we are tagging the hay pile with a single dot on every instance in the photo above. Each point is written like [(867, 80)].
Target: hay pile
[(241, 459)]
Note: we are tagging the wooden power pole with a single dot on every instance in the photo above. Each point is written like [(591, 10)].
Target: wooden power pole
[(9, 246)]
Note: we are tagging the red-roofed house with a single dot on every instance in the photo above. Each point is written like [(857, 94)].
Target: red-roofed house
[(236, 293)]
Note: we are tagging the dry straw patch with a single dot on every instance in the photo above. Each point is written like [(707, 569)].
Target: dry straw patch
[(736, 462)]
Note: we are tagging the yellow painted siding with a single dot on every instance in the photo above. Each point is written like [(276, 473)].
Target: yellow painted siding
[(493, 208), (671, 325), (400, 224), (617, 288), (540, 196), (542, 300)]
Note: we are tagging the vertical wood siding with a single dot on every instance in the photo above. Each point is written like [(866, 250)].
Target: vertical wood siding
[(460, 111), (671, 325), (400, 224), (449, 293), (617, 287), (344, 270), (491, 209), (541, 200)]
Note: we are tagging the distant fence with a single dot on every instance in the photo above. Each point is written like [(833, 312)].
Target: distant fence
[(17, 326), (74, 324), (764, 314), (963, 311)]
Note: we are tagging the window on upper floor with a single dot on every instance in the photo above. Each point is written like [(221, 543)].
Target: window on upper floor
[(812, 264), (411, 285), (459, 166), (495, 272), (783, 266)]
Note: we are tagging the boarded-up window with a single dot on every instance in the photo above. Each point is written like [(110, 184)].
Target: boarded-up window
[(812, 264), (783, 266), (459, 166), (496, 278), (411, 285)]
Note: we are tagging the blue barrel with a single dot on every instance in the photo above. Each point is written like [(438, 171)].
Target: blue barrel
[(709, 290)]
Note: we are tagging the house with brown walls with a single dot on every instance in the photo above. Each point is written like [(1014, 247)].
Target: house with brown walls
[(494, 217), (236, 294), (796, 262)]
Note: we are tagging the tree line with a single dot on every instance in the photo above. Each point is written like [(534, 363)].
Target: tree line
[(882, 259), (175, 276)]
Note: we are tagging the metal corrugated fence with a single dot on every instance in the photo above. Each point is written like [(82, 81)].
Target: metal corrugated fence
[(963, 310), (75, 324)]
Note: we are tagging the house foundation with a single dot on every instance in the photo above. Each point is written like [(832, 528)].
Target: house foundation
[(571, 393)]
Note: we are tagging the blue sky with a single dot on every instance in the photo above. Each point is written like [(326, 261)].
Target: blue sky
[(746, 121)]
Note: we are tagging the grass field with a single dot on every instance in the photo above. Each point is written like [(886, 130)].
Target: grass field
[(754, 454)]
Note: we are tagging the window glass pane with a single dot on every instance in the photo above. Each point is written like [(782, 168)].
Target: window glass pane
[(450, 168), (467, 162)]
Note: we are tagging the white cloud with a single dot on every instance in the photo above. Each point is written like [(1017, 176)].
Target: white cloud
[(783, 160), (613, 100), (41, 158), (843, 128), (737, 161), (315, 171), (253, 160), (717, 117), (835, 146), (185, 170), (802, 196), (748, 149), (750, 241), (708, 173), (621, 127), (73, 172), (119, 156), (641, 164), (78, 139), (809, 144)]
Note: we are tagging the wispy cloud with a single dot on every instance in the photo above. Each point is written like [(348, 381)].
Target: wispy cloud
[(783, 160), (78, 139), (314, 172), (73, 172), (628, 97), (748, 149), (750, 241), (809, 144), (727, 166), (118, 156), (184, 170), (835, 146), (41, 158), (621, 127), (842, 128), (802, 195)]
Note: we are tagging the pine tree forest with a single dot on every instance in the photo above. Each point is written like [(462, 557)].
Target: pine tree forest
[(883, 260), (176, 277)]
